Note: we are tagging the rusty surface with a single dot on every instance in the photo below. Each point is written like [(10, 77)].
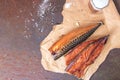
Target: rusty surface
[(23, 25)]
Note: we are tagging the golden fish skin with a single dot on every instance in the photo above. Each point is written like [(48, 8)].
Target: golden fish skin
[(72, 39)]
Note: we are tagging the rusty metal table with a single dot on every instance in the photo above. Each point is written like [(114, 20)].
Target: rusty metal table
[(23, 25)]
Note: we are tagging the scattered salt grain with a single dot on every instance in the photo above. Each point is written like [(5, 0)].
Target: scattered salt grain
[(39, 29), (26, 36), (32, 19), (42, 29), (31, 14), (36, 24), (25, 26), (20, 11), (17, 16), (68, 5), (42, 8)]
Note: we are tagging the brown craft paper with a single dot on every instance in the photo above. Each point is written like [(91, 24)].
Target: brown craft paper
[(76, 13)]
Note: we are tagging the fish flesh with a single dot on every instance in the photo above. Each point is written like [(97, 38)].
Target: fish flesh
[(85, 56)]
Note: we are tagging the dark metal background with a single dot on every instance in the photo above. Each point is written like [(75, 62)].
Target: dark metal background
[(23, 25)]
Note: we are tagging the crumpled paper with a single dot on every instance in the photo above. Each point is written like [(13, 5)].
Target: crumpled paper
[(76, 13)]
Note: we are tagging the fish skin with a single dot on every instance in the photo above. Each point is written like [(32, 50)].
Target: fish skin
[(71, 40)]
